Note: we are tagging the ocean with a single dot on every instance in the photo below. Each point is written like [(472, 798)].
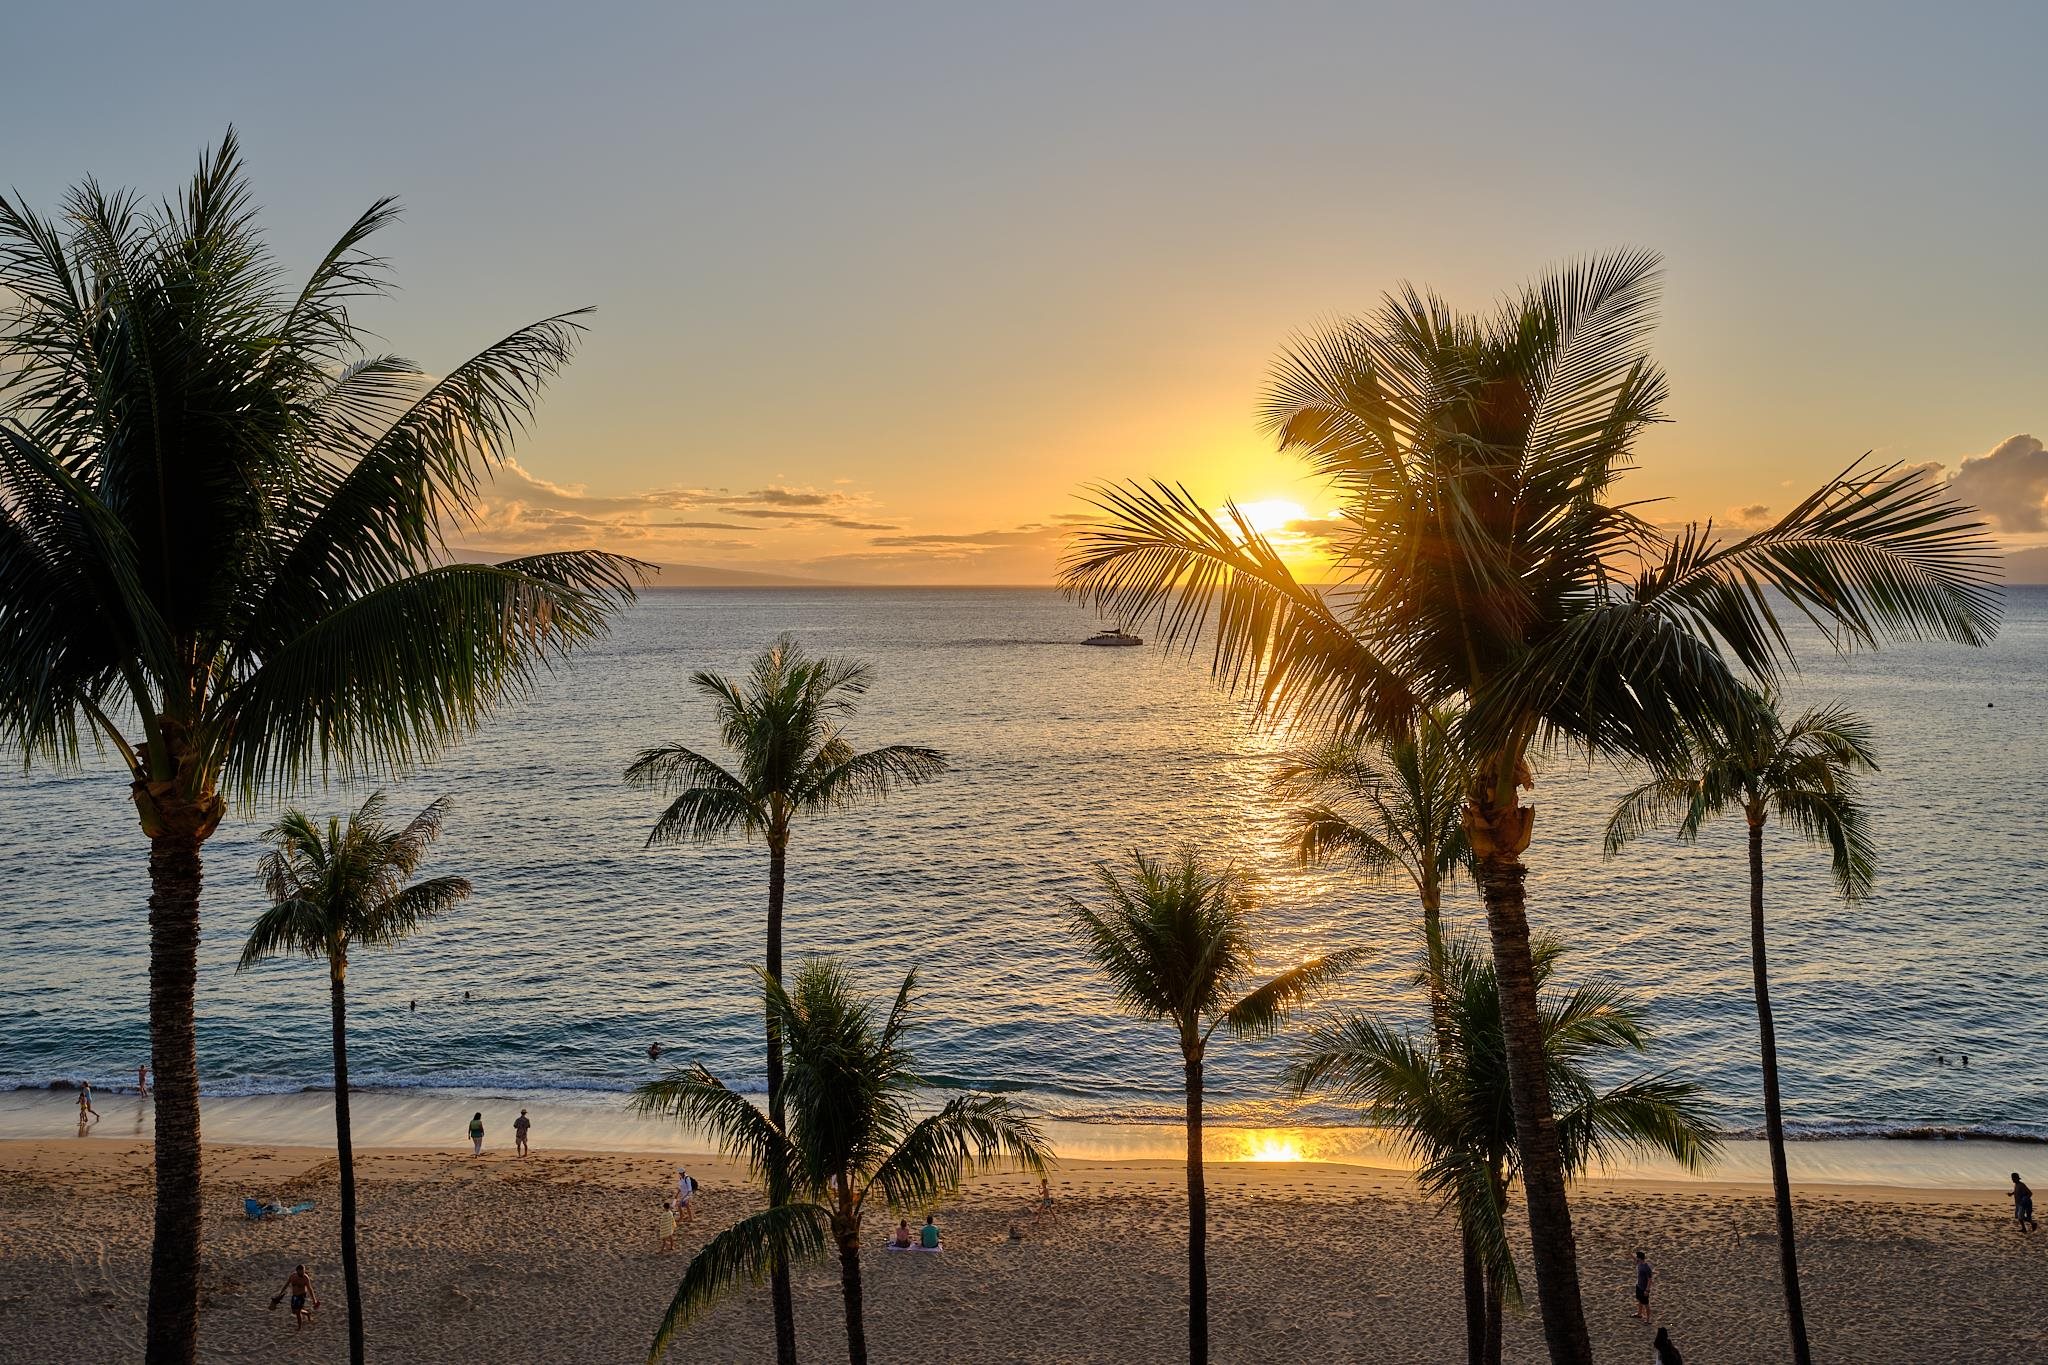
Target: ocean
[(581, 947)]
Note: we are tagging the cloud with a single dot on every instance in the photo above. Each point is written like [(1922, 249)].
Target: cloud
[(1024, 535), (519, 511), (2008, 484)]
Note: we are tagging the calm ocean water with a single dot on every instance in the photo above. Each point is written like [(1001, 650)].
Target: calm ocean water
[(580, 948)]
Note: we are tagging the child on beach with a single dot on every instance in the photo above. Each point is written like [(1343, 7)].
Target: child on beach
[(668, 1226), (2022, 1203), (85, 1104)]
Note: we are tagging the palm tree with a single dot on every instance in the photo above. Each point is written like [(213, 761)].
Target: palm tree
[(1451, 1100), (1806, 772), (1483, 561), (347, 886), (795, 763), (1395, 812), (1174, 938), (221, 556), (850, 1139)]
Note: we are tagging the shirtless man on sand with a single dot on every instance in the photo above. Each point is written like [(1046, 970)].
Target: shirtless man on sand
[(299, 1285)]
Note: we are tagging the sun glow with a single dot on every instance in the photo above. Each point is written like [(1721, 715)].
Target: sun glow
[(1270, 515), (1272, 1147)]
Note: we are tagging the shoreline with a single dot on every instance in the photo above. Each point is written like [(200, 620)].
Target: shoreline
[(423, 1120)]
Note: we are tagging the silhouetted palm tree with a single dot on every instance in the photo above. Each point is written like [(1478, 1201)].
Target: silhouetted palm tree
[(221, 556), (1173, 936), (347, 887), (1450, 1099), (1484, 562), (1806, 773), (850, 1139), (1395, 812), (795, 764)]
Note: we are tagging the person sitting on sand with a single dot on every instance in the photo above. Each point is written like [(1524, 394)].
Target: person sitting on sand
[(668, 1226), (2022, 1203), (299, 1285), (476, 1132), (1644, 1274), (904, 1239), (1662, 1352), (928, 1235)]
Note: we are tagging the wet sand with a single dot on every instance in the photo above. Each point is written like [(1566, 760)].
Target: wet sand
[(555, 1258)]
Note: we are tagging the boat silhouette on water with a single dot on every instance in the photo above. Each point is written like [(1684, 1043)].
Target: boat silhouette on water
[(1113, 639)]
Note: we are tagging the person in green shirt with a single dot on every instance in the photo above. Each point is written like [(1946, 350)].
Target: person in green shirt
[(928, 1236), (476, 1132)]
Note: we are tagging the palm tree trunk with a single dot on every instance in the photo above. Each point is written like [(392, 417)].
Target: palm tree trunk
[(1198, 1224), (849, 1290), (1774, 1119), (1499, 835), (174, 877), (1475, 1297), (1440, 1024), (778, 1182), (345, 1154)]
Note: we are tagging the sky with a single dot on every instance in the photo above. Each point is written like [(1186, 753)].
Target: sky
[(880, 288)]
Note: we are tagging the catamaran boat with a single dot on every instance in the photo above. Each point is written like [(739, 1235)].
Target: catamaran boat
[(1113, 638)]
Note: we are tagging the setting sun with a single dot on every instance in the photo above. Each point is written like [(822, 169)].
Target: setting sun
[(1270, 515)]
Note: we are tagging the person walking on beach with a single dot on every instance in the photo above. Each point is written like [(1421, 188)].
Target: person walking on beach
[(686, 1190), (2022, 1203), (85, 1104), (1662, 1352), (520, 1127), (476, 1132), (668, 1225), (299, 1285), (142, 1079), (1644, 1274)]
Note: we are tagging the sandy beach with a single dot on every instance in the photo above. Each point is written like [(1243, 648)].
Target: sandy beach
[(555, 1258)]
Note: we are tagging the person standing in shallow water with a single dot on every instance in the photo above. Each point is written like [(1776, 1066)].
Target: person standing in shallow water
[(2022, 1203)]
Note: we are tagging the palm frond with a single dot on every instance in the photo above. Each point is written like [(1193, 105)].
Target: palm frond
[(695, 1096), (871, 776), (784, 1234), (1264, 1009), (385, 682), (291, 928), (971, 1132), (1157, 554)]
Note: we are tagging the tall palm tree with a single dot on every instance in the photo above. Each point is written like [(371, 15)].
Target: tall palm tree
[(850, 1139), (221, 556), (1450, 1099), (1395, 812), (345, 887), (1484, 561), (1807, 773), (795, 763), (1173, 936)]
